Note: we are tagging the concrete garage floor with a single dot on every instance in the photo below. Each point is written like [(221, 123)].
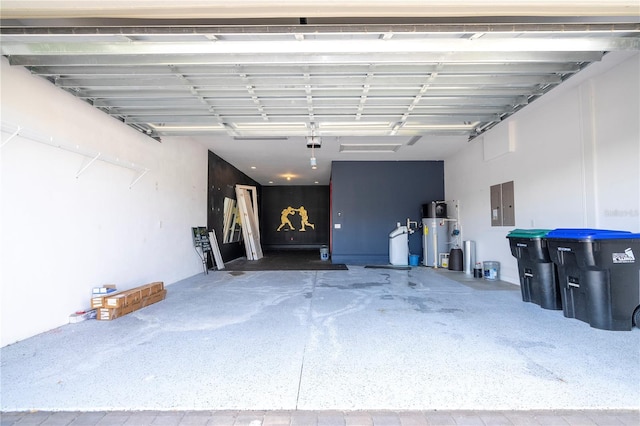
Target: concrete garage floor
[(362, 339)]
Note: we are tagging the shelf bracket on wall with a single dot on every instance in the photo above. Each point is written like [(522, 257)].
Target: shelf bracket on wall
[(144, 172), (13, 135), (87, 166), (93, 156)]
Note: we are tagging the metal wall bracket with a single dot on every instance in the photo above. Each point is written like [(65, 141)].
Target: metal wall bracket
[(15, 131), (13, 135), (87, 166), (138, 178)]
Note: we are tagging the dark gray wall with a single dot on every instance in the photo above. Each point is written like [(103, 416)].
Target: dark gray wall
[(222, 180), (368, 198), (315, 200)]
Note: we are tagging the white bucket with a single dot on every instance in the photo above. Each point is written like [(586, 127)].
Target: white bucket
[(491, 270)]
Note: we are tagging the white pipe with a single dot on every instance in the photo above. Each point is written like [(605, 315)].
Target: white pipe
[(435, 243)]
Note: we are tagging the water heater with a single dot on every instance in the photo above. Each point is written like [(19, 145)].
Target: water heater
[(435, 240)]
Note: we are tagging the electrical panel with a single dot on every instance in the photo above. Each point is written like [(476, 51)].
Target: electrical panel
[(502, 204)]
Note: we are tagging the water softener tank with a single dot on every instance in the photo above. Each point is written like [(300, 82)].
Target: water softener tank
[(399, 246)]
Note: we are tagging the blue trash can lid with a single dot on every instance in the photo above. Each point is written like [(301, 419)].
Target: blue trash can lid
[(588, 234), (617, 236)]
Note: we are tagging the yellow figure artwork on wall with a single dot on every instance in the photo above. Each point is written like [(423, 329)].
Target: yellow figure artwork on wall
[(304, 218), (290, 211), (284, 218)]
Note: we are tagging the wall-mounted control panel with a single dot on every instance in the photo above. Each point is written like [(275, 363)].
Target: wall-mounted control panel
[(502, 205)]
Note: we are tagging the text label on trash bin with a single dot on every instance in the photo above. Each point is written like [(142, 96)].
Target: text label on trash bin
[(626, 257)]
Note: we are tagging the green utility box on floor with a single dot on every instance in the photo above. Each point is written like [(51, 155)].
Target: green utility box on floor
[(537, 272)]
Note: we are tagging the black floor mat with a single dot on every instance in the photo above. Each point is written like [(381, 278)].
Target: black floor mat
[(400, 268), (286, 260)]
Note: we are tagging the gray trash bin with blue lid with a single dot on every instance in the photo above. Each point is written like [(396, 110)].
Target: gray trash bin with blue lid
[(599, 275), (537, 272)]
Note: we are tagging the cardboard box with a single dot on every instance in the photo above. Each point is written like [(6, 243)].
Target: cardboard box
[(105, 289), (108, 314), (156, 287), (115, 301), (96, 302), (99, 301), (126, 297), (154, 298), (134, 295), (145, 291)]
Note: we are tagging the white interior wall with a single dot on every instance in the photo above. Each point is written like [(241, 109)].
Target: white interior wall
[(575, 161), (60, 236)]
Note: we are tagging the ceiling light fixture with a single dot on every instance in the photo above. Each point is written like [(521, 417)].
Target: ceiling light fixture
[(313, 142), (418, 126), (260, 138), (359, 148), (186, 128)]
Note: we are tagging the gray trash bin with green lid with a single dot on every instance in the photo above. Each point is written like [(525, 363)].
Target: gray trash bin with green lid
[(537, 272)]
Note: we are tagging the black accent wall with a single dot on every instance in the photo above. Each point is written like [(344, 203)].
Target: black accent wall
[(222, 179), (275, 199), (368, 198)]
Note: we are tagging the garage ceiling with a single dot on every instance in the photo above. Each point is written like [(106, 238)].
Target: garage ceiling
[(261, 92)]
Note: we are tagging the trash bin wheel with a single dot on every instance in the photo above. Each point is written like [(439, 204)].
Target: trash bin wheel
[(636, 317)]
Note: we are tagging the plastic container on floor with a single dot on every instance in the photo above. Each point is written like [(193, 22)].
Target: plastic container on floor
[(537, 272), (491, 270), (324, 253), (455, 259), (599, 276)]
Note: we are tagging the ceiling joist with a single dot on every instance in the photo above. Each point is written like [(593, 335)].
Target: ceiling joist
[(328, 79)]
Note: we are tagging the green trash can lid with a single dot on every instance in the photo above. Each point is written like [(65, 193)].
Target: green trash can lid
[(528, 233)]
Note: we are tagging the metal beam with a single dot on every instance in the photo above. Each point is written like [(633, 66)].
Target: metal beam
[(265, 70), (316, 83), (328, 47), (381, 94), (580, 24), (301, 59)]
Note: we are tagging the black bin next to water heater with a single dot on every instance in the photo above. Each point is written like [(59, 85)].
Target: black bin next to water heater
[(456, 259), (434, 210), (538, 274), (599, 273)]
